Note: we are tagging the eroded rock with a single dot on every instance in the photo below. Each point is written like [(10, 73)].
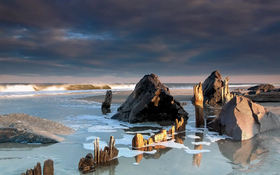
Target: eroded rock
[(150, 101), (23, 128), (241, 119), (212, 88)]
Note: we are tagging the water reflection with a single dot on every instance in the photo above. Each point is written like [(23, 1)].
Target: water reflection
[(242, 152), (197, 157), (106, 168)]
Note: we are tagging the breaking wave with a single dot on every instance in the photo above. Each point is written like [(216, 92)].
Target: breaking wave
[(61, 87)]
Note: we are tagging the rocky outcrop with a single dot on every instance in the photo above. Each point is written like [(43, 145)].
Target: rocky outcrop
[(261, 88), (212, 88), (241, 119), (150, 101), (263, 93), (23, 128)]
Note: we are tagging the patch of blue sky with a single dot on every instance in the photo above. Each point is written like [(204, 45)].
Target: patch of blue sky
[(73, 35)]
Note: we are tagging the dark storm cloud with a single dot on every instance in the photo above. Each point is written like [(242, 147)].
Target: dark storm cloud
[(92, 38)]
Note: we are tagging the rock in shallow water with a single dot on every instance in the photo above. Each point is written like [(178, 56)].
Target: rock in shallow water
[(150, 101), (212, 88), (241, 119), (23, 128)]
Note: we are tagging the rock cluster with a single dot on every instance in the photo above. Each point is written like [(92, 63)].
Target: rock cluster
[(261, 88), (241, 119), (263, 93), (23, 128), (48, 169), (150, 101)]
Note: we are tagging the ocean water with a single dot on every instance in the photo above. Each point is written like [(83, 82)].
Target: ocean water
[(196, 151)]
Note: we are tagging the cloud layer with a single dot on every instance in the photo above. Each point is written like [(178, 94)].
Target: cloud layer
[(132, 38)]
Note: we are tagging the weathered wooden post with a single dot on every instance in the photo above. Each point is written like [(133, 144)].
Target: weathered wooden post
[(180, 126), (226, 96), (48, 167), (198, 101)]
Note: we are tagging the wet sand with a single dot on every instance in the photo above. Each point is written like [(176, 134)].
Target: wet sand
[(182, 95), (121, 96)]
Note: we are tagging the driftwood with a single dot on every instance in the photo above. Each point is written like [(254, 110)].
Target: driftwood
[(48, 169), (198, 102)]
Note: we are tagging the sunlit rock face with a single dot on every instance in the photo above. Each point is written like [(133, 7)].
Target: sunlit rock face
[(150, 101), (241, 119)]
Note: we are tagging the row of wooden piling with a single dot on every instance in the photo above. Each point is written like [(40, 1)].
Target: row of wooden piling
[(138, 140)]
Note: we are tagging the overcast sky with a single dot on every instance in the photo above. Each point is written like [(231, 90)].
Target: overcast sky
[(122, 40)]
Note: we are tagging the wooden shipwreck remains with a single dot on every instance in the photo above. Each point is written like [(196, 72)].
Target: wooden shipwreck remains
[(101, 157), (226, 95), (198, 102), (48, 169), (138, 140)]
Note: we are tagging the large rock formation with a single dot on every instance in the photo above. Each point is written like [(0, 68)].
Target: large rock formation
[(212, 88), (150, 101), (241, 119), (23, 128)]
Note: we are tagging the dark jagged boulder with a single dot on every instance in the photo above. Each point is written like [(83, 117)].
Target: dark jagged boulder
[(212, 88), (150, 101), (241, 119)]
